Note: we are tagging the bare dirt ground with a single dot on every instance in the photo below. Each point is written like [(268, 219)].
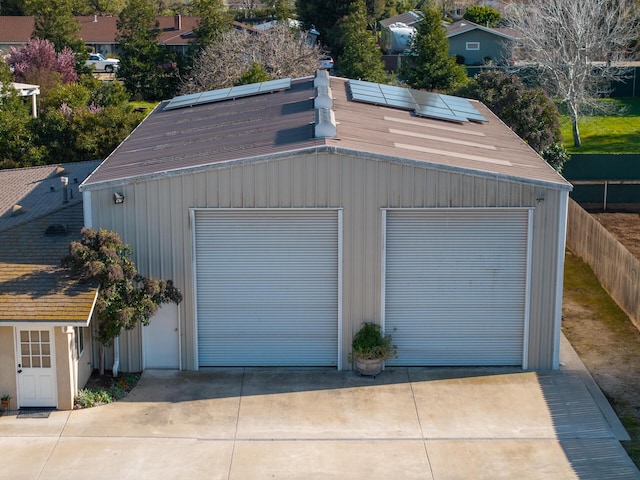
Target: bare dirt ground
[(624, 226), (606, 340)]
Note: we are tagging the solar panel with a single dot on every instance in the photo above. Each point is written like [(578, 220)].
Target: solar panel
[(214, 95), (273, 85), (440, 114), (424, 104), (227, 93)]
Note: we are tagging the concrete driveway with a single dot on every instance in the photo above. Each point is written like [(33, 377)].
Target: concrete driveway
[(418, 423)]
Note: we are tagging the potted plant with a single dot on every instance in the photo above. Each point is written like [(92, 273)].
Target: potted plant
[(370, 349), (4, 401)]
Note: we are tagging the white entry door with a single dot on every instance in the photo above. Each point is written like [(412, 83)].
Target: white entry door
[(36, 368), (161, 339)]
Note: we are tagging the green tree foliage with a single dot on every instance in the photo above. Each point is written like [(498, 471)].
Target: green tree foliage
[(483, 15), (77, 121), (255, 74), (281, 10), (324, 15), (361, 58), (529, 112), (214, 20), (84, 124), (12, 7), (17, 148), (125, 297), (556, 156), (54, 21), (147, 70), (101, 7), (428, 65)]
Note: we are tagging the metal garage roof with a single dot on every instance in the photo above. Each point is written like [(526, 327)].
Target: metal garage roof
[(259, 127)]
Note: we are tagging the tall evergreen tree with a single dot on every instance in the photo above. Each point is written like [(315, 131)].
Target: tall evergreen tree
[(429, 65), (324, 15), (141, 58), (214, 20), (362, 57), (54, 21)]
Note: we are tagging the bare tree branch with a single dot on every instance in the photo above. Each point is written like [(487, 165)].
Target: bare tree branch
[(577, 47), (281, 51)]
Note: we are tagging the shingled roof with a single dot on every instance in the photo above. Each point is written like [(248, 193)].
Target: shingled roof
[(33, 285)]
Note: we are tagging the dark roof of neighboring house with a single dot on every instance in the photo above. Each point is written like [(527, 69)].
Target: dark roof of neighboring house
[(103, 29), (33, 286), (463, 26), (408, 18), (29, 193), (279, 124)]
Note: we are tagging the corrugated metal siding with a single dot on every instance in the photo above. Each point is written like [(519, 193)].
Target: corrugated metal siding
[(267, 287), (455, 286), (361, 187)]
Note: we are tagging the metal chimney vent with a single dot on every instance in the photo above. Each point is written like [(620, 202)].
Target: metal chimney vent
[(323, 98), (321, 79), (325, 123)]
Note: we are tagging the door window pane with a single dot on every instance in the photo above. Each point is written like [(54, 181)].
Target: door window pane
[(35, 349)]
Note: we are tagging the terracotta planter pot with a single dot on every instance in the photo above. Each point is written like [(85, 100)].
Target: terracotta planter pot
[(369, 367), (5, 404)]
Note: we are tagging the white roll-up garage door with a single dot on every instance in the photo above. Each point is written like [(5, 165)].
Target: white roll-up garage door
[(267, 287), (456, 285)]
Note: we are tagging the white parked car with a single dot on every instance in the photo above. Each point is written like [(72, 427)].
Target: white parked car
[(102, 64), (325, 62)]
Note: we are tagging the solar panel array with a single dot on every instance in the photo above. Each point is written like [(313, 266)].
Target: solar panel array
[(424, 104), (230, 93)]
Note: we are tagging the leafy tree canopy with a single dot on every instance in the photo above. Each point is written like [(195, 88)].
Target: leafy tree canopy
[(361, 58), (39, 57), (214, 20), (125, 298), (16, 145), (529, 112), (483, 15), (324, 15), (428, 64), (54, 21), (147, 69)]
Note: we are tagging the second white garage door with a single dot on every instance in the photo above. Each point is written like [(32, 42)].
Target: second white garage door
[(456, 285), (267, 287)]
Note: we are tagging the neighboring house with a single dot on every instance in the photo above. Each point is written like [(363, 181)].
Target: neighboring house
[(45, 316), (290, 212), (100, 32), (478, 45), (396, 32)]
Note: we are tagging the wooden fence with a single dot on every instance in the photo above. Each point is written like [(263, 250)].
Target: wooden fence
[(616, 268)]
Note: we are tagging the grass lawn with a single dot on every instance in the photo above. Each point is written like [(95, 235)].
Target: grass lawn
[(611, 134), (608, 343), (148, 105)]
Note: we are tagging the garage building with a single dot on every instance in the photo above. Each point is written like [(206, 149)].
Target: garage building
[(290, 212)]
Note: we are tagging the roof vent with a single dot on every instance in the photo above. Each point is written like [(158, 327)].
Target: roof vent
[(16, 210), (322, 78), (56, 229), (325, 123), (324, 98)]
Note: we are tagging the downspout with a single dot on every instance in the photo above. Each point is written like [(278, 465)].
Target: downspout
[(116, 356)]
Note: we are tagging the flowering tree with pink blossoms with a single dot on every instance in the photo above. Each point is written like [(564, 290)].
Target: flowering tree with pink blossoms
[(38, 58)]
